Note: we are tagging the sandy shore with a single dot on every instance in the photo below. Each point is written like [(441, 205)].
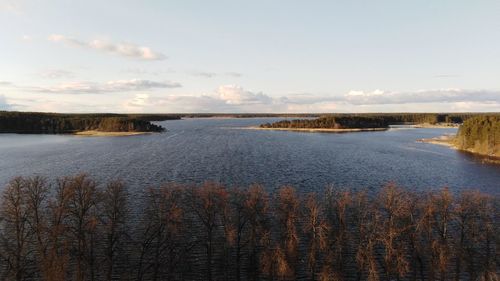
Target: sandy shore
[(449, 141), (320, 130), (446, 140), (108, 134), (438, 125)]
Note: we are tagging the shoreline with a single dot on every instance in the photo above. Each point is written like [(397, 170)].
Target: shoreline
[(320, 130), (445, 140), (449, 141), (109, 134), (437, 125)]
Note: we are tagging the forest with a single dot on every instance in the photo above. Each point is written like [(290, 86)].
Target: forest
[(60, 123), (330, 122), (480, 135), (52, 123), (77, 229), (373, 120)]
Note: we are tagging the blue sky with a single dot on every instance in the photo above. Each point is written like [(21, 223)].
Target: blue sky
[(249, 56)]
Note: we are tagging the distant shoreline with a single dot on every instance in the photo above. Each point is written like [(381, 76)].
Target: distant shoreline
[(437, 125), (320, 130), (109, 134)]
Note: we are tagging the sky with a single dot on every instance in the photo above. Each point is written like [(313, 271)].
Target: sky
[(262, 56)]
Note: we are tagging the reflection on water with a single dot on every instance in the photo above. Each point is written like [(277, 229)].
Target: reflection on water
[(196, 150)]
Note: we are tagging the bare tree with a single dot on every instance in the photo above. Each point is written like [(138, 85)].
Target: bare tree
[(160, 248), (53, 248), (366, 221), (436, 219), (393, 221), (36, 196), (257, 212), (115, 212), (338, 204), (239, 221), (208, 203), (316, 231), (15, 230), (82, 218), (287, 215), (415, 235)]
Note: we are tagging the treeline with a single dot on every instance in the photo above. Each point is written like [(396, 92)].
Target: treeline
[(419, 118), (480, 135), (76, 229), (330, 122), (51, 123), (373, 120)]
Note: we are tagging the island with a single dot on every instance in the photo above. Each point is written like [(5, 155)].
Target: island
[(329, 124), (479, 135), (79, 124), (357, 122)]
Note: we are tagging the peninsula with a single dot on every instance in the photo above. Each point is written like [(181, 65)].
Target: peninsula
[(82, 124), (479, 135)]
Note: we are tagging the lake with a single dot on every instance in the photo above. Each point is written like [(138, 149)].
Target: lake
[(196, 150)]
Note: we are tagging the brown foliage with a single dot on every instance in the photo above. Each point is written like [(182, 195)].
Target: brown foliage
[(78, 230)]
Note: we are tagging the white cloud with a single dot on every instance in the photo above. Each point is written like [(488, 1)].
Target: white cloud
[(4, 105), (26, 38), (234, 74), (122, 49), (421, 96), (230, 98), (56, 74), (207, 74), (204, 74), (236, 95), (11, 6), (138, 96), (108, 87)]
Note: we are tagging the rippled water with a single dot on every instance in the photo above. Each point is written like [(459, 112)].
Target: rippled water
[(195, 150)]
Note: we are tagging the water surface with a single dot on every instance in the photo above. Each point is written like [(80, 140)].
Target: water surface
[(196, 150)]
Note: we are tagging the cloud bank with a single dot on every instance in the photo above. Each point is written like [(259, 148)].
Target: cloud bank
[(3, 103), (206, 74), (421, 96), (56, 74), (146, 96), (230, 98), (108, 87), (129, 50)]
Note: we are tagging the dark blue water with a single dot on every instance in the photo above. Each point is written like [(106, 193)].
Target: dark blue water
[(196, 150)]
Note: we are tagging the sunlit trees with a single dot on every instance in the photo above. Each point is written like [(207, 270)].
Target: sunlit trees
[(36, 195), (16, 234), (160, 237), (316, 232), (208, 203), (338, 203), (287, 214), (393, 222), (83, 220), (115, 211), (256, 209), (365, 223), (76, 229)]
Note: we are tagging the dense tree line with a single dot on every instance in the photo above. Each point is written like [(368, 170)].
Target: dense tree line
[(19, 122), (76, 229), (330, 122), (373, 120), (480, 135), (37, 122)]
